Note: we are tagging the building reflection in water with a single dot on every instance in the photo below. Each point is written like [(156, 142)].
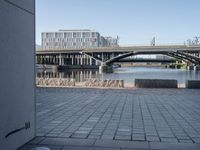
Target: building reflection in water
[(78, 75)]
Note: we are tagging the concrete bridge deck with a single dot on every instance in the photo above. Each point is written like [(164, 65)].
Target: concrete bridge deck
[(120, 119), (163, 48)]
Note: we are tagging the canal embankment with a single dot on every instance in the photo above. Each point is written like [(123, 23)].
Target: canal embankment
[(95, 83)]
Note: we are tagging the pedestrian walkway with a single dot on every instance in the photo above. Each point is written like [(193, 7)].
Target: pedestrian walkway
[(118, 118)]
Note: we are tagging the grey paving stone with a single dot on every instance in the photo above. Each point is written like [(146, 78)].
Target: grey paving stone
[(153, 138), (107, 136), (36, 140), (51, 147), (107, 113), (79, 135), (65, 134), (138, 137), (68, 141), (196, 140), (87, 148), (123, 137), (94, 137), (121, 144), (133, 149), (76, 148), (185, 141), (172, 146), (169, 140)]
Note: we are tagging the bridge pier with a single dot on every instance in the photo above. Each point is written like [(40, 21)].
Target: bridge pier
[(191, 67), (197, 68), (105, 69)]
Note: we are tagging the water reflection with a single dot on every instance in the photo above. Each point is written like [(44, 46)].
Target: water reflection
[(128, 74)]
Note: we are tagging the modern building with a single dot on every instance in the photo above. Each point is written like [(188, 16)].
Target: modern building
[(76, 39), (112, 41)]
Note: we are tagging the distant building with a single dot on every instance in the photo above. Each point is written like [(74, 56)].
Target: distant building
[(111, 41), (103, 42), (75, 39)]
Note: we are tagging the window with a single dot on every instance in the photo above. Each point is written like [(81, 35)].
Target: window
[(83, 34), (74, 34), (93, 34)]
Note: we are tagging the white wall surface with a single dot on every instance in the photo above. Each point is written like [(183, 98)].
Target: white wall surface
[(17, 46)]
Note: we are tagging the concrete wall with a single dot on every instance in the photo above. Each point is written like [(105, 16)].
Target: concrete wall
[(155, 83), (193, 84), (17, 42)]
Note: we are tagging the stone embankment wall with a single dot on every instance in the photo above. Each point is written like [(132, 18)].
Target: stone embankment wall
[(64, 82), (155, 83), (104, 83), (193, 84), (55, 82)]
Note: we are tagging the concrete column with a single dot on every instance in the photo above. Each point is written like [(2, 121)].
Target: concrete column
[(78, 63), (60, 59), (86, 60), (197, 68), (90, 74), (41, 61), (54, 60), (105, 68), (81, 59), (45, 59), (72, 74), (96, 63), (81, 76), (36, 59), (190, 67), (90, 61), (72, 60), (51, 59), (75, 60)]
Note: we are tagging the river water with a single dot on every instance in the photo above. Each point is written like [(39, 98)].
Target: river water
[(128, 74)]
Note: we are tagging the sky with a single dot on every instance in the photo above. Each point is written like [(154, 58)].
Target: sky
[(136, 22)]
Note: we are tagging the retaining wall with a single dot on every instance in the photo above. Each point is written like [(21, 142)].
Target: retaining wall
[(193, 84), (155, 83), (55, 82), (104, 83)]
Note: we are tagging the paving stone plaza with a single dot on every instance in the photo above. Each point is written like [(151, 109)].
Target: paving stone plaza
[(118, 118)]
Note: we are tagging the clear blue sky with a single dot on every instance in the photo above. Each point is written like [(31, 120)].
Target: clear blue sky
[(134, 21)]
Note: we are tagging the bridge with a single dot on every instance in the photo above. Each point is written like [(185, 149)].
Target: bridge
[(147, 60), (106, 56)]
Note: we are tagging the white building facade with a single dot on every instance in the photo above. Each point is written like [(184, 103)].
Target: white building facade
[(74, 39), (111, 41)]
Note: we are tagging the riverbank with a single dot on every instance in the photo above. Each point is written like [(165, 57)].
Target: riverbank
[(82, 85), (128, 74)]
